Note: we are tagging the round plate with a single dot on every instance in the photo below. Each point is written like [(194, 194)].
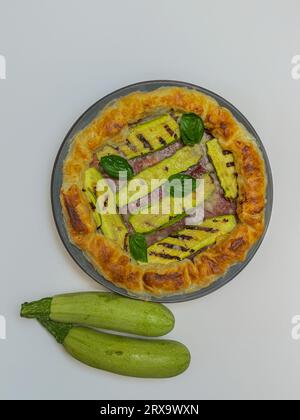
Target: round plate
[(56, 183)]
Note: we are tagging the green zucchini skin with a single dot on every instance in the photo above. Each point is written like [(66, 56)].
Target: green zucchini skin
[(127, 356), (104, 310)]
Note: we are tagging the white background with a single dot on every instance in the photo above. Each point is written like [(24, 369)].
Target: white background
[(63, 55)]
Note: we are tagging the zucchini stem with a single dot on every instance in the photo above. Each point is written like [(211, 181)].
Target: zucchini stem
[(58, 330), (39, 308)]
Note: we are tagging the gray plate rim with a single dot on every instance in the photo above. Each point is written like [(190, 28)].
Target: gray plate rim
[(56, 177)]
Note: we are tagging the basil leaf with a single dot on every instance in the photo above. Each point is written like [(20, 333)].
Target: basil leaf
[(114, 164), (186, 188), (191, 128), (138, 247)]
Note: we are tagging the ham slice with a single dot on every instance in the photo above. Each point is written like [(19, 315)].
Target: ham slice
[(196, 171), (163, 233), (142, 162), (95, 162), (217, 205)]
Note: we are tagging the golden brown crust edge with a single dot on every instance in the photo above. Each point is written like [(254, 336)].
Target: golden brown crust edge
[(112, 261)]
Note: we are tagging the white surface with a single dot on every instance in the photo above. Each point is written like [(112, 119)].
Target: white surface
[(64, 55)]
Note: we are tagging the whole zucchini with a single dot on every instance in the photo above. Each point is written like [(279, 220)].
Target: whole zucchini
[(122, 355), (104, 310)]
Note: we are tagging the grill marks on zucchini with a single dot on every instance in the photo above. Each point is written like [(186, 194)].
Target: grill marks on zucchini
[(172, 246), (131, 146), (111, 225), (182, 160), (162, 141), (181, 237), (145, 223), (224, 165), (170, 131), (164, 256), (150, 136), (190, 240), (143, 139), (145, 142), (91, 177), (203, 228)]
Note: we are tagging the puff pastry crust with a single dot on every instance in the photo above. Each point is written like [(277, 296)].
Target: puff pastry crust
[(113, 262)]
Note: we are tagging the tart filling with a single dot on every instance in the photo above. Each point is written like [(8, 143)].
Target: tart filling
[(164, 210), (133, 184)]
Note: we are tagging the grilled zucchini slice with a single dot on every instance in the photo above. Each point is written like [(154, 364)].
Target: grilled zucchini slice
[(150, 136), (106, 151), (179, 162), (111, 225), (223, 162), (113, 228), (145, 223), (91, 177), (190, 240)]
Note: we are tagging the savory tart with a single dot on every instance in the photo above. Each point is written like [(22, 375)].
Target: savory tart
[(171, 133)]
